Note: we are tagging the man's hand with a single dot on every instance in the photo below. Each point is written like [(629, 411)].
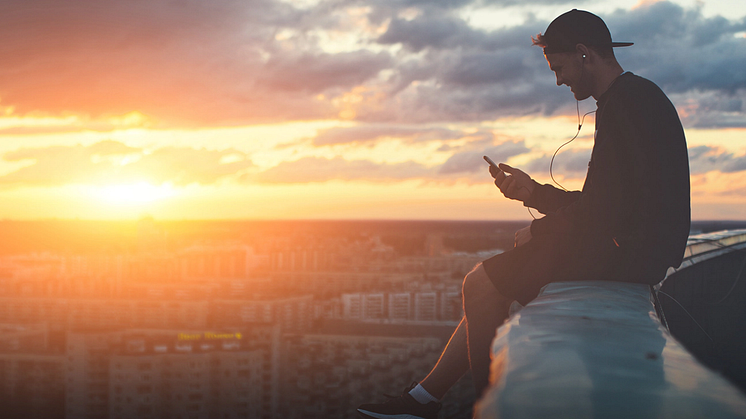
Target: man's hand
[(522, 236), (515, 184)]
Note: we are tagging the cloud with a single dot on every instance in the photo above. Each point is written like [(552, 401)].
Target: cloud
[(711, 109), (465, 162), (569, 163), (238, 62), (684, 51), (35, 125), (372, 132), (184, 166), (696, 60), (189, 63), (112, 162), (36, 130), (386, 7), (471, 161), (453, 72), (439, 31), (703, 159), (316, 73), (445, 30), (733, 192), (318, 169), (463, 73), (108, 162)]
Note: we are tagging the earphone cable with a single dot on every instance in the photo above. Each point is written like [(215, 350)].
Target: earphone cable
[(580, 125)]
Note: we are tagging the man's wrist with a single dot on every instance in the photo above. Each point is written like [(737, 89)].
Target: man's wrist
[(530, 188)]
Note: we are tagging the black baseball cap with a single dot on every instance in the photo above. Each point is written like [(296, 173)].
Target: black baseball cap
[(577, 27)]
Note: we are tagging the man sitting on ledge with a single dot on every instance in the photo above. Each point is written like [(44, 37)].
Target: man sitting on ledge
[(629, 223)]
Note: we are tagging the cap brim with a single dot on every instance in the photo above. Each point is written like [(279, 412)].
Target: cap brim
[(550, 50)]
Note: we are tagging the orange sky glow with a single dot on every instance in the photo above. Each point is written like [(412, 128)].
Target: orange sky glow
[(278, 111)]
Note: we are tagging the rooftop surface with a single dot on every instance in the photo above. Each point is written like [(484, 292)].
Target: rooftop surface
[(598, 350)]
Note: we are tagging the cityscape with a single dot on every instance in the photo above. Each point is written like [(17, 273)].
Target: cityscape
[(229, 319)]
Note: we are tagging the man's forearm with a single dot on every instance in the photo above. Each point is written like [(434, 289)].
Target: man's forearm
[(547, 199)]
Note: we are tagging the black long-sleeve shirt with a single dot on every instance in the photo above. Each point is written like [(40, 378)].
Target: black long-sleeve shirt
[(636, 191)]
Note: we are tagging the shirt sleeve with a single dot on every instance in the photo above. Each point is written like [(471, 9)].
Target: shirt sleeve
[(561, 221), (554, 203), (547, 199)]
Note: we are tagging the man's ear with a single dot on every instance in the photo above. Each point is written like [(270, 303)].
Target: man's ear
[(582, 51)]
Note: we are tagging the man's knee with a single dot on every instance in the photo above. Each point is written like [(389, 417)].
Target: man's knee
[(478, 288)]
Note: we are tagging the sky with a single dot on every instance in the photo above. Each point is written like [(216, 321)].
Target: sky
[(339, 109)]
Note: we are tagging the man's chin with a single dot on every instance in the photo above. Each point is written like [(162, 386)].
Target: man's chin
[(581, 96)]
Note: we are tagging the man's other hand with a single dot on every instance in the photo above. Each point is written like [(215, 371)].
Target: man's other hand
[(516, 184), (522, 236)]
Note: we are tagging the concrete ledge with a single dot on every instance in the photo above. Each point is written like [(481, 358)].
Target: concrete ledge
[(597, 350)]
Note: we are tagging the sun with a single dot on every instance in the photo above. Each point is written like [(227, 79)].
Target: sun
[(134, 193)]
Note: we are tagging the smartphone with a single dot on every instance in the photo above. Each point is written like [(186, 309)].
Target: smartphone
[(489, 160), (494, 170)]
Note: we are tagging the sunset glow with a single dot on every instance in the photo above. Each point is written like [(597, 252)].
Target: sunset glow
[(280, 208), (398, 102), (137, 193)]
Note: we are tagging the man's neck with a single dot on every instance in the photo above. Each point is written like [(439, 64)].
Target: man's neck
[(606, 78)]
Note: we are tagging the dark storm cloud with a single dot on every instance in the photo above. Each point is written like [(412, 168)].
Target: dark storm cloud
[(98, 164)]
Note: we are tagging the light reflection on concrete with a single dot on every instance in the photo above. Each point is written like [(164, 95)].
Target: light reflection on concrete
[(597, 350)]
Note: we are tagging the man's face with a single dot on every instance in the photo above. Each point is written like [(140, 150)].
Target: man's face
[(569, 69)]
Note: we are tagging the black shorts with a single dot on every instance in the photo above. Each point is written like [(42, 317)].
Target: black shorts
[(520, 273)]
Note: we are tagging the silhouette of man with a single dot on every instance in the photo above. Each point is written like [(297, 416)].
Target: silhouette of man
[(629, 223)]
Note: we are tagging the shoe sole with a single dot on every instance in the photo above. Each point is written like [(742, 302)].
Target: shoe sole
[(384, 416)]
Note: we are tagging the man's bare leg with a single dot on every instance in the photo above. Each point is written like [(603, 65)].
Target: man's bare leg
[(452, 365), (469, 346), (485, 310)]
